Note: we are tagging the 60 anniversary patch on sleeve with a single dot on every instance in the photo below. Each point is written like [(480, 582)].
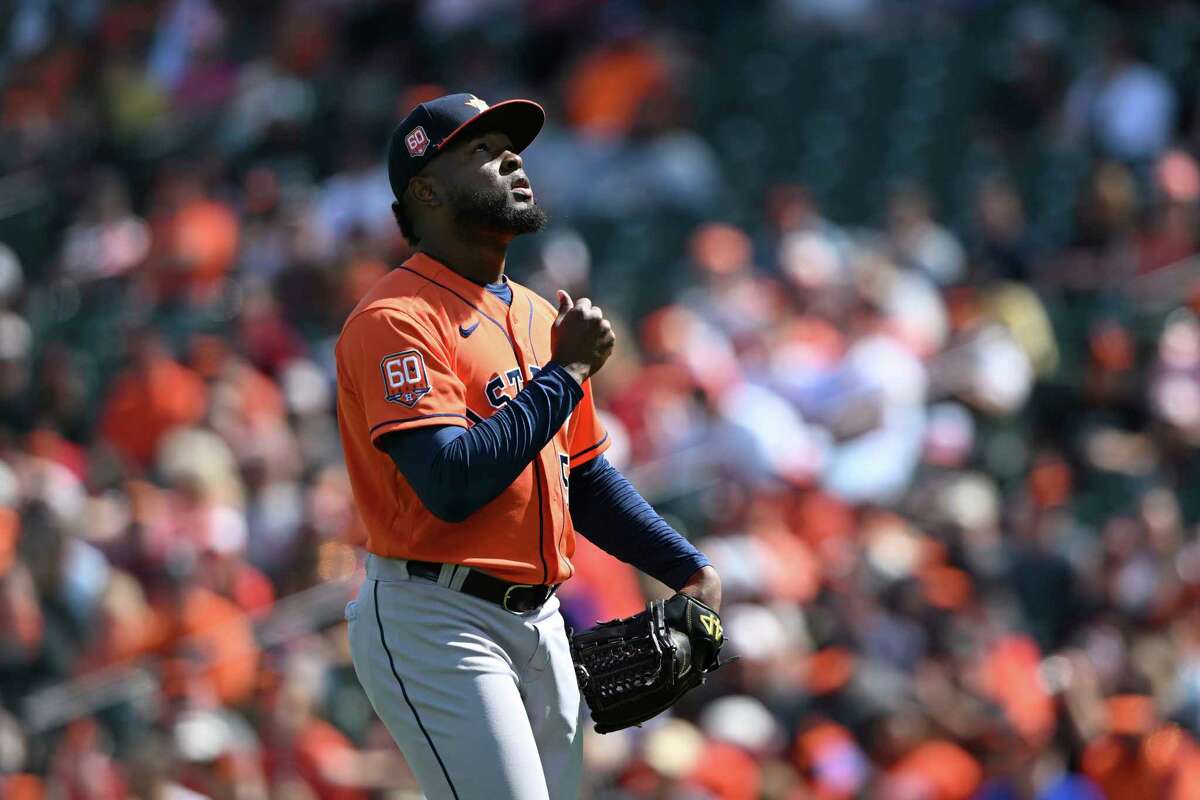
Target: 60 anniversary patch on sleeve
[(404, 377)]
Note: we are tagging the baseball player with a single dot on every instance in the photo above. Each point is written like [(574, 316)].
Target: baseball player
[(475, 454)]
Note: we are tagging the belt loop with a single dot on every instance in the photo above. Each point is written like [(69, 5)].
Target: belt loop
[(386, 569), (458, 577), (446, 576)]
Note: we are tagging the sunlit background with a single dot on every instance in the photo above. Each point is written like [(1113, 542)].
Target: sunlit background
[(908, 344)]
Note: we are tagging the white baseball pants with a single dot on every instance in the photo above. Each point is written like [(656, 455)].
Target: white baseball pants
[(482, 702)]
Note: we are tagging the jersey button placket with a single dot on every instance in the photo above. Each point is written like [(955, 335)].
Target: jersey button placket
[(555, 512), (522, 350)]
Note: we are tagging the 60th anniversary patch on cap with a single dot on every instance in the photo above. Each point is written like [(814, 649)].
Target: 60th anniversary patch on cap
[(432, 126)]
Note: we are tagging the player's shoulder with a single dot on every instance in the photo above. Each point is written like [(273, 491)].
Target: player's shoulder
[(398, 295)]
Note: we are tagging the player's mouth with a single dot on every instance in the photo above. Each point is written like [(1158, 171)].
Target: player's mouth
[(521, 189)]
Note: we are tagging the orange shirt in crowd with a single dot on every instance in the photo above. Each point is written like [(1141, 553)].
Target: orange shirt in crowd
[(942, 769), (1011, 678), (222, 636), (728, 772), (22, 786), (205, 236), (1162, 764), (146, 402), (611, 85), (316, 748), (10, 534)]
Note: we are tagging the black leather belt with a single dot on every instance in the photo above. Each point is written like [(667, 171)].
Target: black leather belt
[(517, 598)]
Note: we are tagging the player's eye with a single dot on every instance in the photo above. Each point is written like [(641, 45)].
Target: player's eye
[(482, 147)]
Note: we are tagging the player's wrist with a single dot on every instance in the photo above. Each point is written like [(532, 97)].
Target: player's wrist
[(705, 586), (576, 369)]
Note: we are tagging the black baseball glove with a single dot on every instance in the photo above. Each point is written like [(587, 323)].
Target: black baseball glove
[(632, 669)]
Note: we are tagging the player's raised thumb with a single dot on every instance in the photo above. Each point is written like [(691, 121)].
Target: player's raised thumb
[(564, 302)]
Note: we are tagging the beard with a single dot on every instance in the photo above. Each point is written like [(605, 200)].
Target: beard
[(482, 209)]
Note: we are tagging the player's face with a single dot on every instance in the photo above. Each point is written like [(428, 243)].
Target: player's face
[(487, 188)]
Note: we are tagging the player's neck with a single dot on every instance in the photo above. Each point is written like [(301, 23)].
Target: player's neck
[(477, 259)]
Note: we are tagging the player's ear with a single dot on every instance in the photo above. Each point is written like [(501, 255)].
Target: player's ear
[(424, 191)]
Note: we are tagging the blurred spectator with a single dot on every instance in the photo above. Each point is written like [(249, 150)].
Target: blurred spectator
[(844, 15), (1003, 247), (920, 242), (610, 86), (108, 240), (358, 196), (1028, 82), (1124, 105), (1173, 233), (152, 396)]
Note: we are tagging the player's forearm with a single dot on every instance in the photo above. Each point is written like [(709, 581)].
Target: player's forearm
[(457, 471), (609, 511)]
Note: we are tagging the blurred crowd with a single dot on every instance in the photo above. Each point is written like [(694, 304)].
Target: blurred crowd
[(943, 455)]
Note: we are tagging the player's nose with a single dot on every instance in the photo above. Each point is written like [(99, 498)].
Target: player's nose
[(511, 163)]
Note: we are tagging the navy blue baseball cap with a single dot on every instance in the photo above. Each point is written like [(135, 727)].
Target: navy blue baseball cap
[(432, 126)]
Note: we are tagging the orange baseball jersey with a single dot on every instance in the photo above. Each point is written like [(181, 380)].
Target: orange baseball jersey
[(426, 346)]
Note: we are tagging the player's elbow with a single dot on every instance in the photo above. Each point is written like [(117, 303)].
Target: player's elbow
[(448, 509), (451, 514)]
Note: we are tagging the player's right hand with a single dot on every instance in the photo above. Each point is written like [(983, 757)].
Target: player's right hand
[(581, 339)]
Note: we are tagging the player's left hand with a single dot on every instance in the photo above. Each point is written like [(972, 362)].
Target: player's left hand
[(633, 669)]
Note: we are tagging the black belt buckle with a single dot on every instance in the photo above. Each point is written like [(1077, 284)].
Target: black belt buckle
[(518, 601)]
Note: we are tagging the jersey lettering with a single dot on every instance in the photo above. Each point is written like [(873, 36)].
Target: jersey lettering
[(493, 391), (502, 388)]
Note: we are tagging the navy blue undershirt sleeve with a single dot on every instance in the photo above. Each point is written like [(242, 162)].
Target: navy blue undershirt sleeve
[(611, 513), (456, 471)]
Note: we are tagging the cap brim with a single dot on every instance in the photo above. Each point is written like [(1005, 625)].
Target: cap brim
[(520, 120)]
